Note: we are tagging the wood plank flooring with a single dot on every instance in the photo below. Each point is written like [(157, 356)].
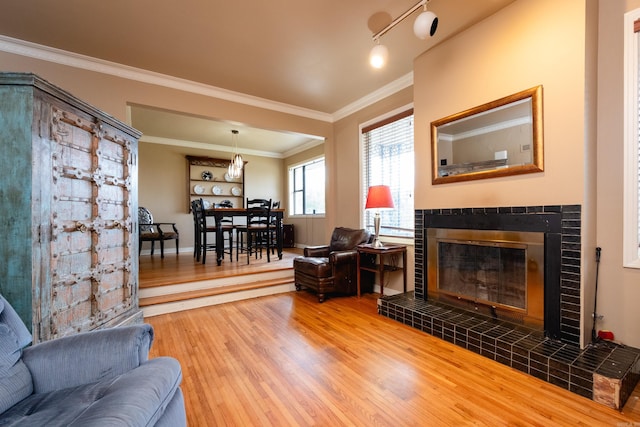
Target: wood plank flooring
[(286, 360)]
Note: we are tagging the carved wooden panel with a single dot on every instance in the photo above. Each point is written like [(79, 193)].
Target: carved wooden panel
[(92, 225)]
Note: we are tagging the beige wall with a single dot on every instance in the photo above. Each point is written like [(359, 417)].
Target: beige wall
[(524, 45), (618, 287), (345, 170)]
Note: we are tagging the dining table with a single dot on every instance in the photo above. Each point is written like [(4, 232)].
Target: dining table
[(219, 213)]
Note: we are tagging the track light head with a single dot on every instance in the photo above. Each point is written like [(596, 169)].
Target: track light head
[(425, 25), (378, 56)]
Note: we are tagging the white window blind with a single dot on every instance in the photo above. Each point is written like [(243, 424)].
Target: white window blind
[(388, 159)]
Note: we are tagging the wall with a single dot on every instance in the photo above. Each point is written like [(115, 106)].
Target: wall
[(515, 49), (618, 287), (162, 186), (346, 171)]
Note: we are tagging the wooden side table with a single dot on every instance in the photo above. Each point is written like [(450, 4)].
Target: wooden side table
[(380, 267)]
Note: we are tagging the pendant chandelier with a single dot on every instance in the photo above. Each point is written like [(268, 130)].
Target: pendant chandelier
[(236, 163)]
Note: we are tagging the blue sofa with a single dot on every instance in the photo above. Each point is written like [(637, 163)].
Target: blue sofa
[(99, 378)]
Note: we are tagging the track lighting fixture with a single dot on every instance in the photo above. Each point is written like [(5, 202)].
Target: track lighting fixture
[(425, 25)]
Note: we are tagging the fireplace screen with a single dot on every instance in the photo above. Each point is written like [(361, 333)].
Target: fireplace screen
[(484, 272), (500, 272)]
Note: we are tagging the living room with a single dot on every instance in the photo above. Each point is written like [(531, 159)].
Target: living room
[(574, 49)]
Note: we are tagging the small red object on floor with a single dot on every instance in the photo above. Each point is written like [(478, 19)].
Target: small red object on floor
[(605, 335)]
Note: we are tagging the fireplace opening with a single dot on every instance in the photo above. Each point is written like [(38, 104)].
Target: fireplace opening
[(498, 272)]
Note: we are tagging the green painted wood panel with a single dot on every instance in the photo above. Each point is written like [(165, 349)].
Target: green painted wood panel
[(16, 120)]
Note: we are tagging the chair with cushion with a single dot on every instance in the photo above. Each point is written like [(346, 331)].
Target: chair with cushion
[(331, 268), (149, 231), (98, 378)]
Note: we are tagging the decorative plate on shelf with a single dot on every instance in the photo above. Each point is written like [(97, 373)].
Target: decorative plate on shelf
[(227, 177), (207, 175), (216, 190), (206, 204), (198, 189), (236, 191)]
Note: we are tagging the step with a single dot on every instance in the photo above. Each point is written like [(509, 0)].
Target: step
[(186, 296)]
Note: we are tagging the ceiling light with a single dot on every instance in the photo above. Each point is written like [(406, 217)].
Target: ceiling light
[(236, 163), (378, 56), (425, 25)]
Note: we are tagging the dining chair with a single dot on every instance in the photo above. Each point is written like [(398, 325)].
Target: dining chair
[(273, 222), (256, 229), (202, 229)]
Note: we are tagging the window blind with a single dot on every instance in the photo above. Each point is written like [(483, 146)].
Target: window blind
[(388, 159)]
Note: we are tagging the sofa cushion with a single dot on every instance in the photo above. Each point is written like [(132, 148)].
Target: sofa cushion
[(137, 398), (15, 379), (313, 266), (343, 239)]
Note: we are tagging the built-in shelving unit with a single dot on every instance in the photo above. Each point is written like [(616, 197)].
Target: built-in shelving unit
[(208, 179)]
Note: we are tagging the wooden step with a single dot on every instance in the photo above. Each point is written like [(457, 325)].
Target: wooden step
[(199, 293)]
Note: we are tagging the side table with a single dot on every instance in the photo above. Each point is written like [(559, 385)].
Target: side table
[(379, 266)]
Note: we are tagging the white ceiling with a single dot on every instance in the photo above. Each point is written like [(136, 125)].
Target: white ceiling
[(308, 54)]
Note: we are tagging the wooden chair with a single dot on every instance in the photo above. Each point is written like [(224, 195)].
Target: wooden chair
[(272, 227), (150, 231), (256, 229), (201, 228)]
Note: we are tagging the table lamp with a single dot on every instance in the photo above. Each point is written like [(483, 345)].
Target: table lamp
[(378, 197)]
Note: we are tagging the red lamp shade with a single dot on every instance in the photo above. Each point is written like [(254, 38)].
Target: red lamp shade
[(379, 197)]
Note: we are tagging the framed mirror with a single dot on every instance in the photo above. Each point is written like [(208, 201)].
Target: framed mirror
[(500, 138)]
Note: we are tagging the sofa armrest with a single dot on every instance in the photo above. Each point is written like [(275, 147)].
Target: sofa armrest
[(316, 251), (87, 357), (341, 257)]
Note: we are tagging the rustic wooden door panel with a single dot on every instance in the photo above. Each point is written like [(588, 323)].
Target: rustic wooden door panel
[(92, 235)]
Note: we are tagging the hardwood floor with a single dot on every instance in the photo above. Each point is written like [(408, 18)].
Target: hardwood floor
[(288, 360)]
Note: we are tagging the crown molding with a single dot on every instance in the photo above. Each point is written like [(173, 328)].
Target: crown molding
[(75, 60), (59, 56), (206, 146), (375, 96)]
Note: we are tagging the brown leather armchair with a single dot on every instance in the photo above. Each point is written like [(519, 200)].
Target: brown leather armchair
[(331, 268)]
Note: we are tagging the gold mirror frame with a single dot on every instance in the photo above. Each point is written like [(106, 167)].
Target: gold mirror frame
[(488, 168)]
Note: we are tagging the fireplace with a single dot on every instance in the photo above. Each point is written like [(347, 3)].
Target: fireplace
[(556, 232), (498, 272), (470, 240)]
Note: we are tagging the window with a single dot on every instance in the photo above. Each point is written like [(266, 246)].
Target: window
[(388, 159), (306, 183), (631, 139)]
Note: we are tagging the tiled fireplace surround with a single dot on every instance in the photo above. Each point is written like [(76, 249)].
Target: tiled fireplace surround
[(555, 355)]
